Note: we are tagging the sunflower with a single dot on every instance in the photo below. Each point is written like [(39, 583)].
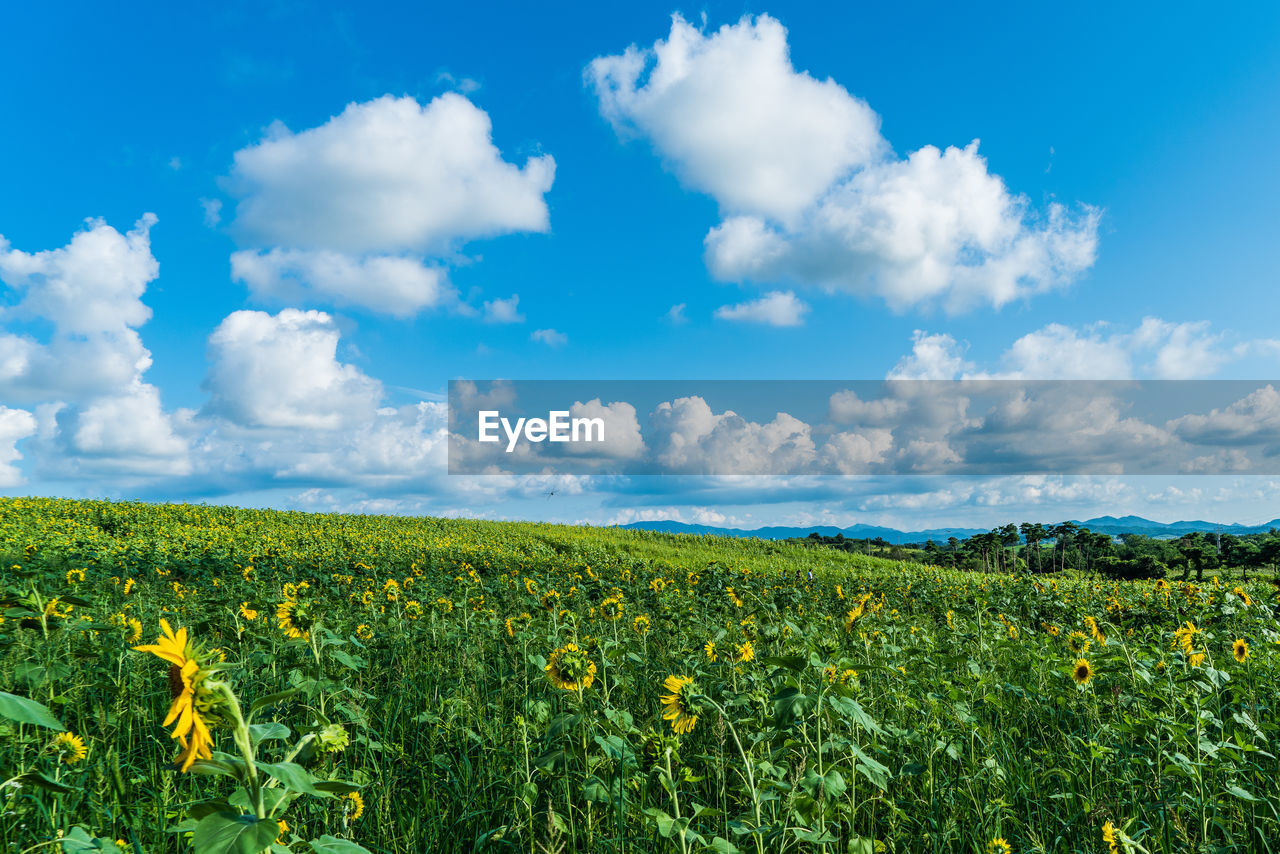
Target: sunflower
[(1185, 637), (282, 827), (247, 612), (1109, 837), (1244, 597), (679, 705), (354, 806), (1078, 643), (70, 748), (295, 618), (192, 698), (611, 608), (364, 632), (1240, 649), (710, 650), (951, 620), (640, 624), (570, 668), (1094, 631), (999, 846), (1082, 672), (511, 629), (744, 652), (1197, 659)]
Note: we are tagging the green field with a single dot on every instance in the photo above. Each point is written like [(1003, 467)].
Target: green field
[(402, 685)]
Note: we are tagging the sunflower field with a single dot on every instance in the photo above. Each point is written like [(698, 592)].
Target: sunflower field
[(180, 677)]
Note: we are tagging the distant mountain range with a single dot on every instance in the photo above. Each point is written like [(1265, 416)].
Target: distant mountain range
[(1102, 524)]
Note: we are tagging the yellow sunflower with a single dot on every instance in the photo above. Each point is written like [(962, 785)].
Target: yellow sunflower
[(744, 652), (999, 846), (1082, 672), (710, 650), (354, 806), (247, 612), (295, 619), (571, 669), (640, 624), (70, 748), (192, 699), (1109, 837), (1240, 649), (679, 707)]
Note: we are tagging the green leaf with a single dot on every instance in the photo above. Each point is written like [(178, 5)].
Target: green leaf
[(272, 699), (1241, 793), (34, 778), (26, 711), (352, 661), (294, 777), (267, 732), (333, 845), (78, 840), (723, 846), (336, 787), (229, 833)]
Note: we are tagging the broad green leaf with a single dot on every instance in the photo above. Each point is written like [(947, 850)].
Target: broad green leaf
[(333, 845), (229, 833), (293, 776), (26, 711)]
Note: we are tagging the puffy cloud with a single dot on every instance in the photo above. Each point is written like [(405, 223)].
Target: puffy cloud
[(622, 439), (93, 284), (15, 425), (688, 437), (282, 371), (386, 283), (932, 357), (934, 228), (1252, 419), (776, 308), (503, 310), (97, 413), (350, 212), (1156, 349), (812, 193), (550, 337), (734, 119), (385, 176)]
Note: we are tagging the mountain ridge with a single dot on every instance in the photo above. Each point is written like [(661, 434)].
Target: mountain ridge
[(1102, 524)]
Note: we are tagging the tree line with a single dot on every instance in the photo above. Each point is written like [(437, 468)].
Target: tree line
[(1040, 548)]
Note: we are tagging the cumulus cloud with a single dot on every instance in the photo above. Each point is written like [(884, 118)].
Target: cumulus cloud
[(689, 437), (1155, 349), (733, 118), (1252, 419), (352, 212), (812, 193), (282, 371), (385, 283), (776, 308), (15, 425), (94, 410)]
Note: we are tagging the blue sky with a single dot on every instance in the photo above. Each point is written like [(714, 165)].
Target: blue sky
[(1153, 126)]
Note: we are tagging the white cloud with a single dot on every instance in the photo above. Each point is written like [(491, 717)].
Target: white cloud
[(391, 284), (811, 192), (688, 437), (932, 357), (15, 425), (776, 308), (734, 119), (95, 412), (550, 337), (1253, 418), (282, 371), (934, 228), (352, 211), (503, 310), (92, 285), (676, 314), (1156, 349)]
